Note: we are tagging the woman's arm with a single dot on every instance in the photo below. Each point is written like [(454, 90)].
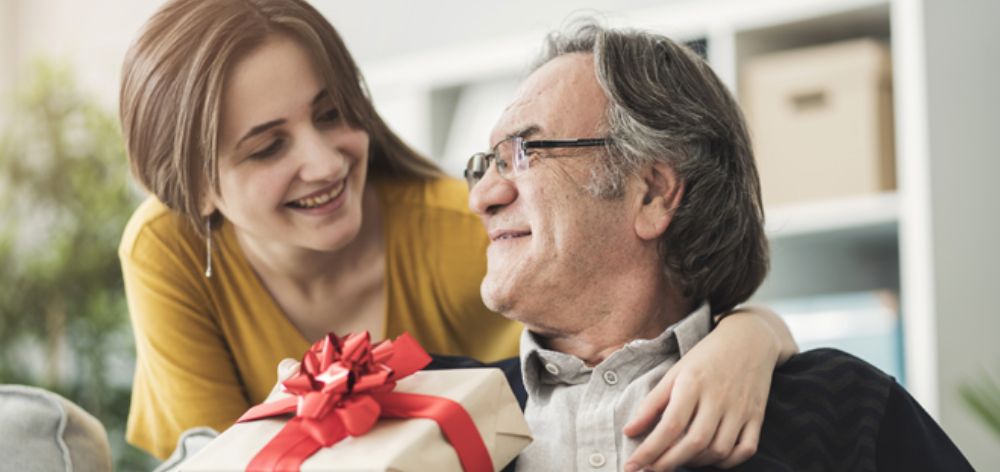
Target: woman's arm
[(760, 320), (709, 407)]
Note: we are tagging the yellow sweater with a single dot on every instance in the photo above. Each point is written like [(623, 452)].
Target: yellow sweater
[(207, 349)]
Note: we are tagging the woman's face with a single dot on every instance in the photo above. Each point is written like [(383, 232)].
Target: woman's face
[(291, 170)]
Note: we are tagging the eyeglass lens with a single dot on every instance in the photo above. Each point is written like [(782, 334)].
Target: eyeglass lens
[(507, 154)]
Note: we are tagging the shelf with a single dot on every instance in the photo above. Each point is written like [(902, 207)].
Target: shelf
[(862, 213), (862, 20), (843, 245)]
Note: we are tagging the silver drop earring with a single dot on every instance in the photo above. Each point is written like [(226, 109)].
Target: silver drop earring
[(208, 247)]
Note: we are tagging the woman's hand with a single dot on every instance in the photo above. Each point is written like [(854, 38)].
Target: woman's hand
[(710, 405)]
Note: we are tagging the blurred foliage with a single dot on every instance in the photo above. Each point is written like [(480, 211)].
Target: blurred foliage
[(64, 200), (983, 398)]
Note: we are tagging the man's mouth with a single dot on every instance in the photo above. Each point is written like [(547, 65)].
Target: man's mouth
[(319, 198), (503, 235)]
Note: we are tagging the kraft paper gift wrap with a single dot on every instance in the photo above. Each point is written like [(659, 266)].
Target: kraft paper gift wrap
[(394, 444)]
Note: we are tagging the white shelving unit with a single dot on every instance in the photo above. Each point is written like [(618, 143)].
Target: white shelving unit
[(851, 213), (931, 241)]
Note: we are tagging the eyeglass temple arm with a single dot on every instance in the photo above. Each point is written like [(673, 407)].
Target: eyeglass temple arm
[(566, 143)]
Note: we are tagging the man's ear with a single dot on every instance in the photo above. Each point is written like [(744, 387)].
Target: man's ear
[(660, 191)]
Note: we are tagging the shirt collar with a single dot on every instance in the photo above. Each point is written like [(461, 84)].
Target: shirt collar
[(545, 366)]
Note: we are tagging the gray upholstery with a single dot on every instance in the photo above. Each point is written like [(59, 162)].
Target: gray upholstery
[(190, 442), (41, 431)]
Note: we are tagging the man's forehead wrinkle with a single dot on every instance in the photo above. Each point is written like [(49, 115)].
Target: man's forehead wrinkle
[(538, 109)]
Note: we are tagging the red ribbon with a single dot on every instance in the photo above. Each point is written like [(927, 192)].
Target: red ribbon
[(343, 387)]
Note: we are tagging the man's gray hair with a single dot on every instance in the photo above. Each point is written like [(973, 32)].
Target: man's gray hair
[(667, 105)]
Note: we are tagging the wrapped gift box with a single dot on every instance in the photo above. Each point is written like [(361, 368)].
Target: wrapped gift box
[(394, 444)]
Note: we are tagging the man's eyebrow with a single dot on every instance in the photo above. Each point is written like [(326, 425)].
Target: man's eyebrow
[(525, 132), (271, 124)]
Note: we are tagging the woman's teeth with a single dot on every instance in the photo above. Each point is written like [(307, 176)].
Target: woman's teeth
[(313, 202)]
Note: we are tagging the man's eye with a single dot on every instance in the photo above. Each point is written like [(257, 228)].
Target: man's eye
[(533, 155), (270, 150)]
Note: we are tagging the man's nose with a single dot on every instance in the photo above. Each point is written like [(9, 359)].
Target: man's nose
[(491, 193), (319, 158)]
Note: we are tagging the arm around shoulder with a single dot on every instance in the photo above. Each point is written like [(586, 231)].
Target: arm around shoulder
[(763, 326)]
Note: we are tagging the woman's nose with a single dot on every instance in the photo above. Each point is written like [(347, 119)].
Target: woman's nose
[(320, 159)]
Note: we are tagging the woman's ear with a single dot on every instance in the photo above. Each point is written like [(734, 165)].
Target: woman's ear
[(661, 191), (208, 203)]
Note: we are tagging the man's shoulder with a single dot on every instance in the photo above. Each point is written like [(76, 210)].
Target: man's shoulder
[(829, 410), (826, 408), (822, 365), (829, 381)]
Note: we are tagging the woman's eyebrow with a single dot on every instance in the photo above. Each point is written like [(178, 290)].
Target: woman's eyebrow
[(271, 124), (259, 129)]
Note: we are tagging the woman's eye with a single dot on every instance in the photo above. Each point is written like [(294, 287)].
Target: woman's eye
[(270, 150), (329, 116)]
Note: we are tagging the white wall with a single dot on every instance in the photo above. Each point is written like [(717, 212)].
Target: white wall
[(94, 35), (91, 36), (963, 111), (385, 28), (8, 49)]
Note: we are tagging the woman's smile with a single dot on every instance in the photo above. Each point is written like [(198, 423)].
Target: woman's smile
[(322, 201)]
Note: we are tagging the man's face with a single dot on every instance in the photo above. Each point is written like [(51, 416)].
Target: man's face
[(553, 244)]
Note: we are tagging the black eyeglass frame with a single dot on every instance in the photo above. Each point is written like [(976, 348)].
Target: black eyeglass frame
[(479, 162)]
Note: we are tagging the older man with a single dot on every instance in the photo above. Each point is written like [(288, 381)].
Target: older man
[(641, 218)]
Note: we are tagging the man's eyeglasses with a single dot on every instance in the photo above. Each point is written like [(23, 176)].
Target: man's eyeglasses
[(511, 156)]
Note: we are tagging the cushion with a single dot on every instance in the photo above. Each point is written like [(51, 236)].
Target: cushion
[(42, 431)]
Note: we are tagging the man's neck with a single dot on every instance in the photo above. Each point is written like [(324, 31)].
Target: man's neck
[(645, 316)]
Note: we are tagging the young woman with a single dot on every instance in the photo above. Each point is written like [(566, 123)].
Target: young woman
[(284, 208)]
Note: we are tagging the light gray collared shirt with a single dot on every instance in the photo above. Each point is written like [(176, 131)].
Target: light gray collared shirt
[(577, 413)]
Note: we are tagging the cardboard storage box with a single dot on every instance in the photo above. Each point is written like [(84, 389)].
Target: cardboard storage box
[(821, 121)]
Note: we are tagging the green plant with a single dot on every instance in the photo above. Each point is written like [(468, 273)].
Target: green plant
[(983, 398), (64, 200)]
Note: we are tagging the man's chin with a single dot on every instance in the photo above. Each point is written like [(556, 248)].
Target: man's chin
[(496, 305), (496, 299)]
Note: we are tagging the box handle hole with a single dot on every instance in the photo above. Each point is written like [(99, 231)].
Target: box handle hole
[(805, 102)]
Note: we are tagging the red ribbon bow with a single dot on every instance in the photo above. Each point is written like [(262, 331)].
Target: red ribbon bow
[(343, 387)]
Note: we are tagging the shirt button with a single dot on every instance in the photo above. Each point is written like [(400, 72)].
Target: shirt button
[(596, 460), (552, 368), (610, 377)]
